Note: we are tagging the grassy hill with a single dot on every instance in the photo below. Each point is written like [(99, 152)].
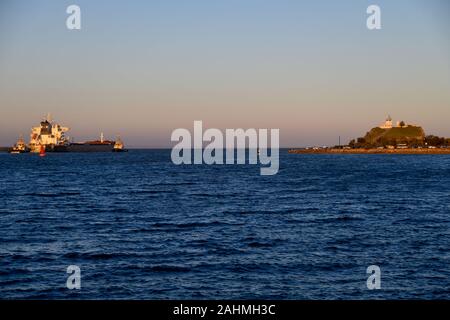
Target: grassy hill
[(393, 136)]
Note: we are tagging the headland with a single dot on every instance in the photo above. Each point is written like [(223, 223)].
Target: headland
[(369, 151), (387, 138)]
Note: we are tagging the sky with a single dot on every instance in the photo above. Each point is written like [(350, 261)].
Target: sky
[(141, 69)]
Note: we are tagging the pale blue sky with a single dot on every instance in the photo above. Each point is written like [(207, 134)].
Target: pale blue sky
[(144, 68)]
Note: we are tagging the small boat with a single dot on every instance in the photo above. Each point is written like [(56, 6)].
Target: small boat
[(42, 151), (118, 146), (19, 147)]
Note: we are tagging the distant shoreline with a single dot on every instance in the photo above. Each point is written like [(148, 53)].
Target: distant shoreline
[(326, 151), (369, 151)]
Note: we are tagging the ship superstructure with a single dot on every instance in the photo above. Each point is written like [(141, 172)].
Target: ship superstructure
[(48, 134)]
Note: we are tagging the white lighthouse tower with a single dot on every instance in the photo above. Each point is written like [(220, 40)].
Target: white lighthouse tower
[(387, 124)]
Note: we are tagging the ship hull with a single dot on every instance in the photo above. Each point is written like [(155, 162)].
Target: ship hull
[(90, 147), (50, 137), (79, 147), (61, 148)]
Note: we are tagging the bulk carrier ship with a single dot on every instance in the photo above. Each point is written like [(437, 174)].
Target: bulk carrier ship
[(52, 137)]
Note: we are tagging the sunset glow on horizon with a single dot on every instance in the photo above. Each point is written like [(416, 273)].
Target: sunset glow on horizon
[(142, 69)]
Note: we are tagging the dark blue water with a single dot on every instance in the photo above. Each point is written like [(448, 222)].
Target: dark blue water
[(140, 227)]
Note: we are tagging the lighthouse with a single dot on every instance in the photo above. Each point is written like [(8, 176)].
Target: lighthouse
[(387, 124)]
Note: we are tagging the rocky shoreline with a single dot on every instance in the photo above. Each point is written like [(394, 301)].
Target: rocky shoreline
[(369, 151)]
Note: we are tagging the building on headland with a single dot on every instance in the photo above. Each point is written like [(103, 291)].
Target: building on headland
[(387, 124)]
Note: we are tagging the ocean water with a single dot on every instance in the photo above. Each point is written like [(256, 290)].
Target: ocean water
[(140, 227)]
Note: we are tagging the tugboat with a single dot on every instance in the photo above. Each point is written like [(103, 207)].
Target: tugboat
[(19, 147), (118, 146)]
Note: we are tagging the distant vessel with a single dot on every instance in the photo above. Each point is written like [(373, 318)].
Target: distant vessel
[(101, 145), (19, 147), (118, 146), (52, 137)]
